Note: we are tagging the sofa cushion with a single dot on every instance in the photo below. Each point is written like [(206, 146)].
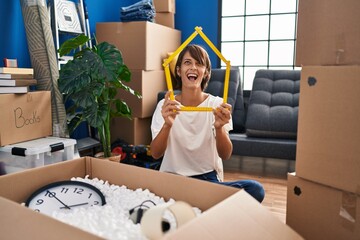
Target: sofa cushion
[(273, 104), (279, 148), (235, 96)]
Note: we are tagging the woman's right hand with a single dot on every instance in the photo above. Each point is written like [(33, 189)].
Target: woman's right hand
[(170, 110)]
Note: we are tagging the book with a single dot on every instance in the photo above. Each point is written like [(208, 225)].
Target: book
[(10, 62), (16, 70), (15, 76), (17, 82), (23, 89)]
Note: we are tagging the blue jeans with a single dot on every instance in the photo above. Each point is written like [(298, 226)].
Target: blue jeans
[(140, 11), (254, 188)]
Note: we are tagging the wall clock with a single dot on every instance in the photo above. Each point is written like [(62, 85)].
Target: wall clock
[(64, 195)]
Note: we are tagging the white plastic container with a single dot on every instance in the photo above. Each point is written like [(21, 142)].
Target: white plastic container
[(36, 153)]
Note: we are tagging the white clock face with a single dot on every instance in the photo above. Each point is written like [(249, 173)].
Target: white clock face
[(64, 195)]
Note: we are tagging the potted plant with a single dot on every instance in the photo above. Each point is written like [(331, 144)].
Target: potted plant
[(90, 81)]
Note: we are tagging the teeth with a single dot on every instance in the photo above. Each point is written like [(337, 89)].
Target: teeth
[(192, 75)]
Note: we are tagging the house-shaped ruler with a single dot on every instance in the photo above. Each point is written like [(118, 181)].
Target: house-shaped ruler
[(198, 30)]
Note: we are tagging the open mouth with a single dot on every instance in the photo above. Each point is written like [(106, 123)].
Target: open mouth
[(192, 76)]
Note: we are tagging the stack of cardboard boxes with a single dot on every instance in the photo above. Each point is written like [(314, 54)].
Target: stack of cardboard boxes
[(144, 46), (323, 199), (165, 12)]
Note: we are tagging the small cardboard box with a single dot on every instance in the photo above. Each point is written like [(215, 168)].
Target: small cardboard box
[(328, 32), (148, 84), (144, 44), (166, 19), (164, 6), (328, 140), (25, 117), (319, 212), (227, 212), (136, 131)]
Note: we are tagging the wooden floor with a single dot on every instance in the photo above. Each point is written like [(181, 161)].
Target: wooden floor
[(271, 173)]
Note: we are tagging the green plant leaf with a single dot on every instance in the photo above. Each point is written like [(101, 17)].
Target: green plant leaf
[(96, 115), (112, 92), (72, 44), (112, 61), (125, 74), (74, 121), (122, 109), (74, 75)]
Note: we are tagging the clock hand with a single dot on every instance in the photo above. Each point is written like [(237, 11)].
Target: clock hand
[(75, 205), (54, 196)]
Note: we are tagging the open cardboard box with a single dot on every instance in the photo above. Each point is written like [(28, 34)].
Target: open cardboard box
[(228, 213)]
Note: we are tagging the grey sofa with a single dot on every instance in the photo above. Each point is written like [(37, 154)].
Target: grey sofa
[(265, 125), (271, 116)]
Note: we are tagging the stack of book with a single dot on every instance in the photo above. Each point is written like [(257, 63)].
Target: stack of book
[(16, 80)]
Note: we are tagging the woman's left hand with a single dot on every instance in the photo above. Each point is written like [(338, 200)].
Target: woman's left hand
[(222, 115)]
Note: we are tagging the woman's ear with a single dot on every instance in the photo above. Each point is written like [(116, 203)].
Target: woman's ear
[(178, 71), (207, 75)]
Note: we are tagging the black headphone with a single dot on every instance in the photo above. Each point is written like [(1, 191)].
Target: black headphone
[(137, 212)]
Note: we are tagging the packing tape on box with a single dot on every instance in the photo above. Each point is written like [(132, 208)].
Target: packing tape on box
[(151, 222)]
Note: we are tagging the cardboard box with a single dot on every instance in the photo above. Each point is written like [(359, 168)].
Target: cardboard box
[(166, 19), (136, 131), (228, 212), (144, 44), (25, 117), (36, 153), (328, 140), (319, 212), (148, 84), (328, 32), (164, 6)]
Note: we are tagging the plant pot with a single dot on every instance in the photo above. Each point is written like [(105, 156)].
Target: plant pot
[(114, 156)]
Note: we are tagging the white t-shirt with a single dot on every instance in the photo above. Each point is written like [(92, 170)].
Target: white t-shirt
[(191, 148)]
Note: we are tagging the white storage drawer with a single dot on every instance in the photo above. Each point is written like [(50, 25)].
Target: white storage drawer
[(36, 153)]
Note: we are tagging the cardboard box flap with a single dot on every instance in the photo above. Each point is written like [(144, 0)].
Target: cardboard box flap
[(133, 177), (237, 217), (38, 176), (25, 224), (119, 174)]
